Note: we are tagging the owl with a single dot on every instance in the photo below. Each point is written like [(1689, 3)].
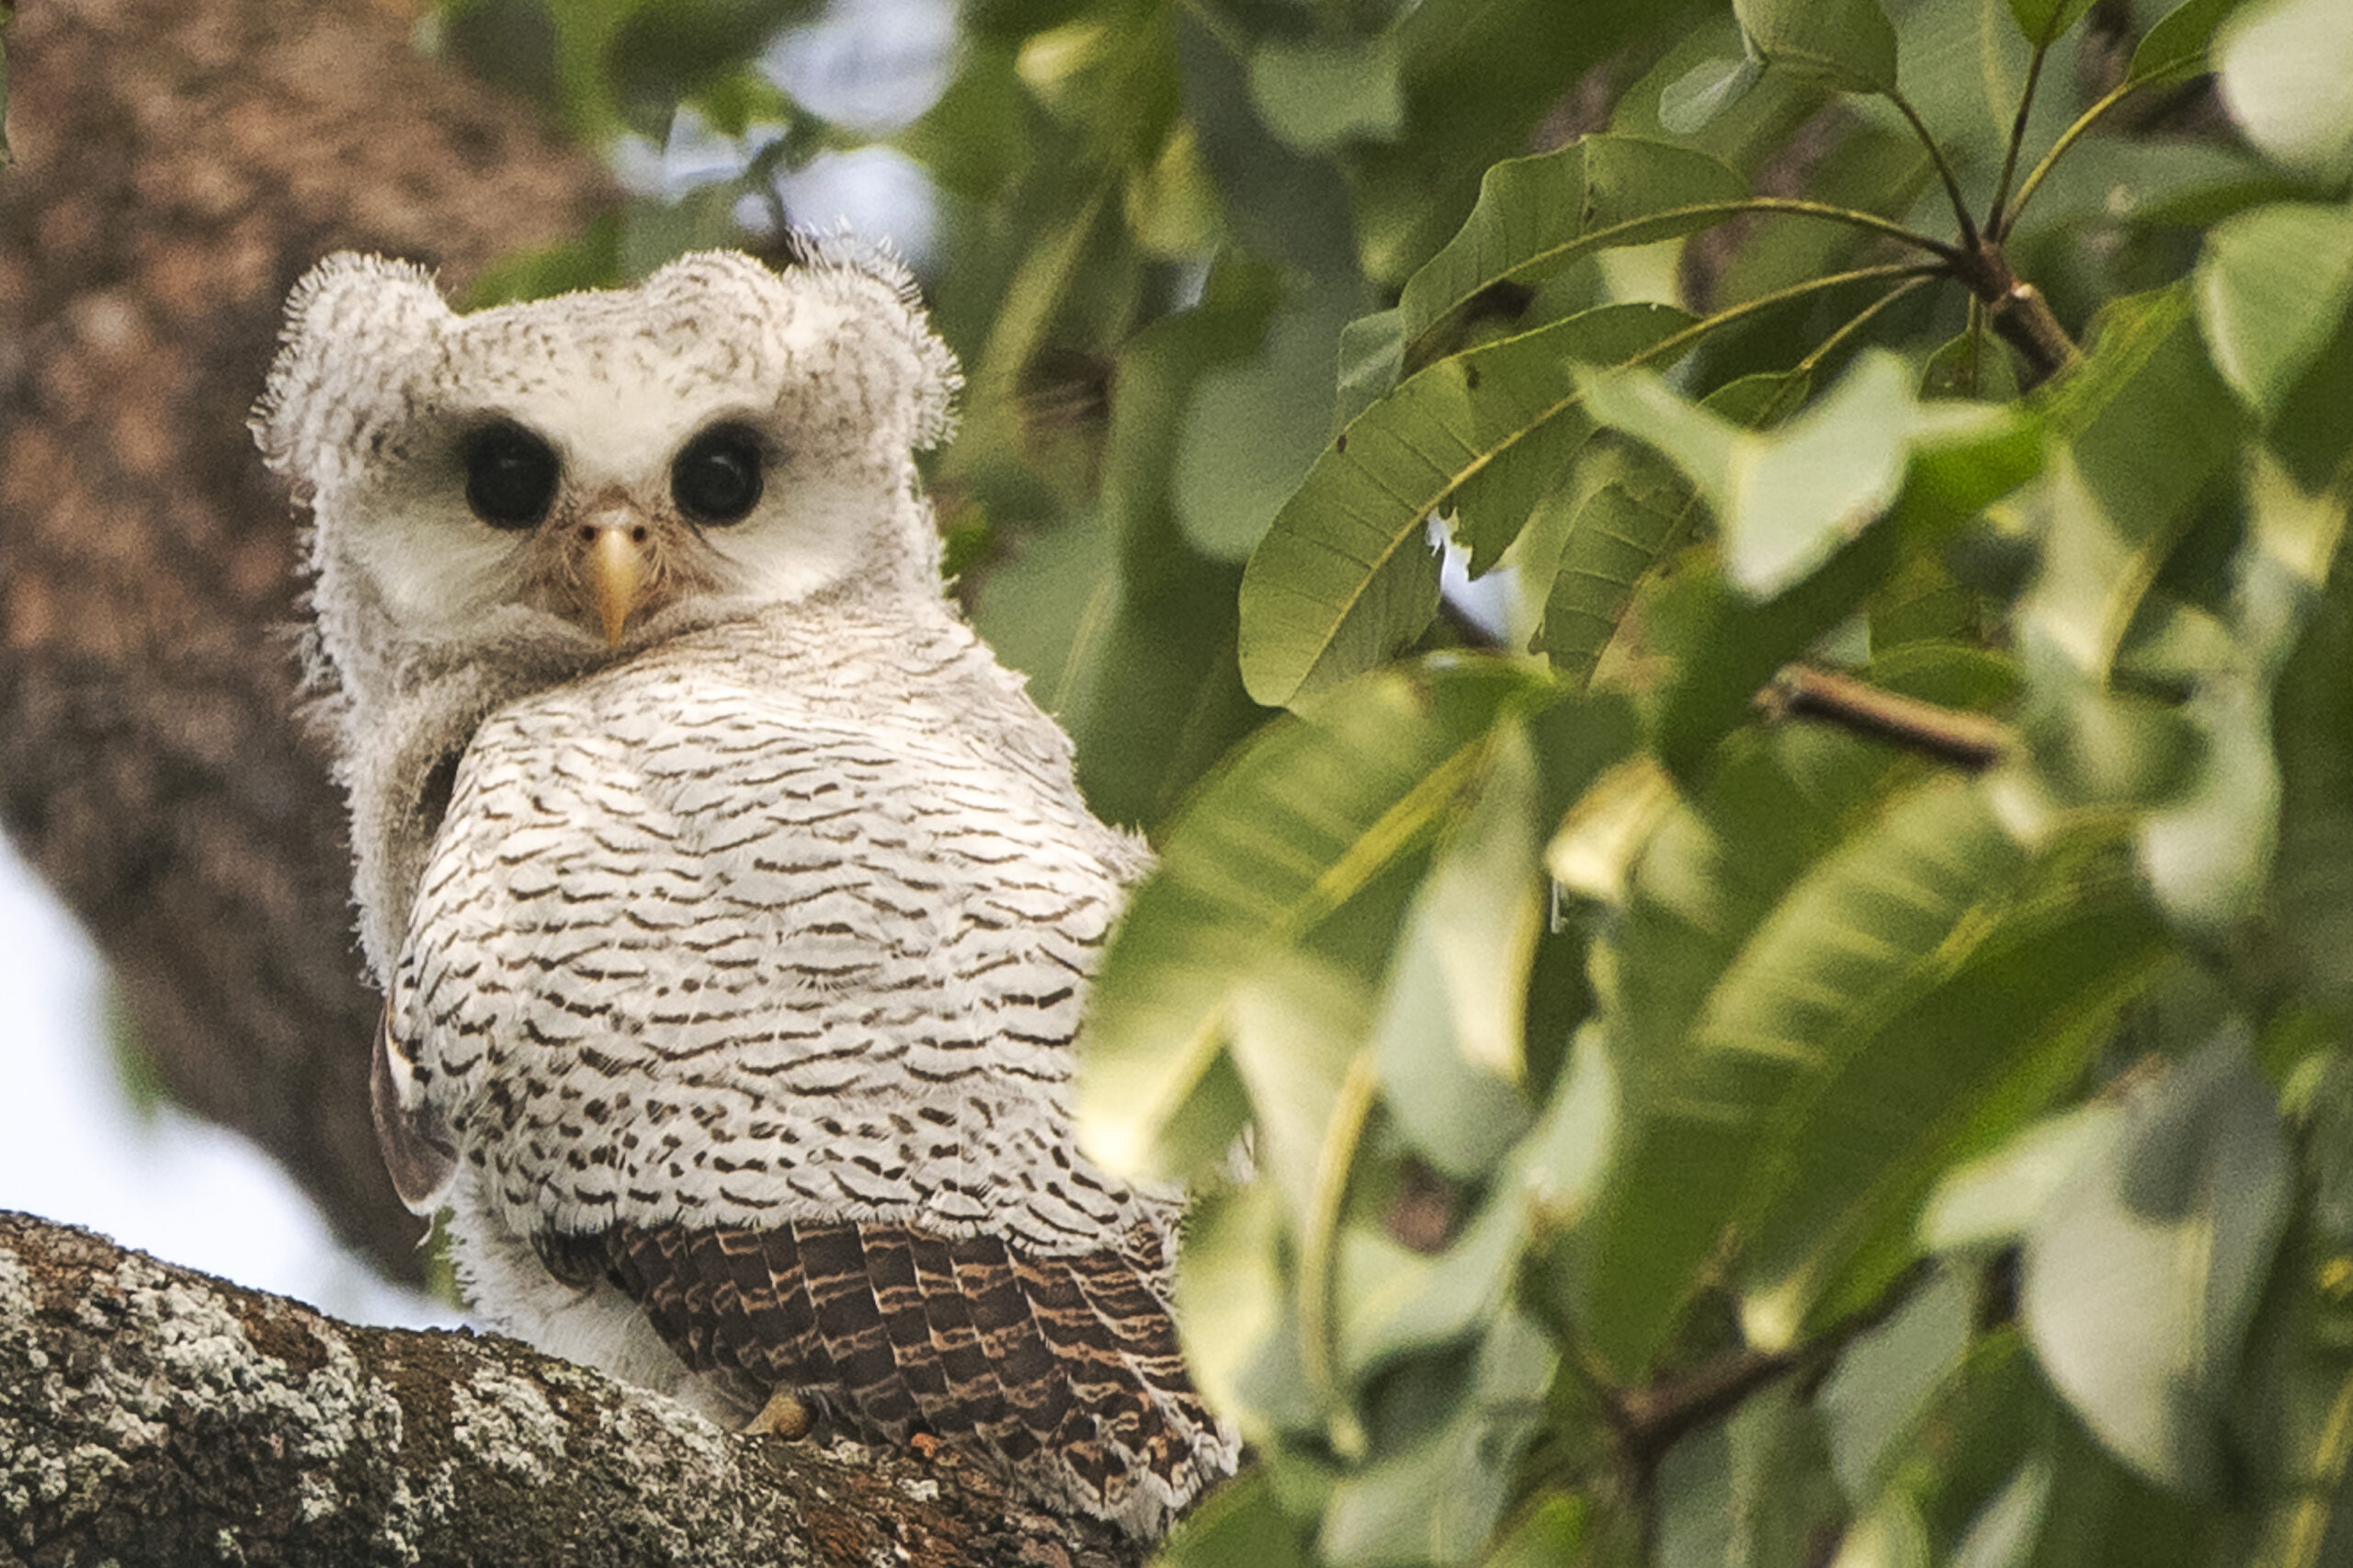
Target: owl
[(733, 906)]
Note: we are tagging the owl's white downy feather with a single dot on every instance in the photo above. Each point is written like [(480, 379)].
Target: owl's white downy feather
[(733, 905)]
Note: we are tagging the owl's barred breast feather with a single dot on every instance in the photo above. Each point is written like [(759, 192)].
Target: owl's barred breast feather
[(733, 906)]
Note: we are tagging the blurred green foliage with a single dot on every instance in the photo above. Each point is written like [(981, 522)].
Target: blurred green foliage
[(1686, 1131)]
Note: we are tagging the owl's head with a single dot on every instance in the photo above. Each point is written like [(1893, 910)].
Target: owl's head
[(595, 468)]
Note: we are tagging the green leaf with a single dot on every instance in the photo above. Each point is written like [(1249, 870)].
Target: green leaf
[(1449, 1042), (1435, 1499), (1253, 429), (2177, 47), (1294, 1023), (1711, 884), (1537, 215), (1686, 103), (2285, 68), (2144, 1269), (1612, 534), (1847, 42), (1236, 1313), (1785, 500), (1345, 577), (1973, 365), (2272, 290), (1238, 1525), (1885, 1384), (1993, 1200), (1624, 511), (1318, 94), (1754, 1488), (1306, 818), (1372, 356), (2042, 21), (1551, 1534), (2003, 1533), (2147, 426), (1720, 647), (2020, 1005)]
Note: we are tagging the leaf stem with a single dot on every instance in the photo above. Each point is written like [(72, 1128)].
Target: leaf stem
[(1994, 224), (1318, 1327), (1852, 216), (1674, 342), (1862, 319), (1709, 213), (1944, 169), (2003, 223)]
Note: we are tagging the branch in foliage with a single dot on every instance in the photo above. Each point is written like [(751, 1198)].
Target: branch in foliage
[(1652, 1419), (1965, 740), (150, 1414)]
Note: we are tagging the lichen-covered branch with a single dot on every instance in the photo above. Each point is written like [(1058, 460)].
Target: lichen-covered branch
[(150, 1414)]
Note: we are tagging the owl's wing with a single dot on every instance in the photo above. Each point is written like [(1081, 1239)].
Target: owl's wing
[(417, 1149), (1064, 1370)]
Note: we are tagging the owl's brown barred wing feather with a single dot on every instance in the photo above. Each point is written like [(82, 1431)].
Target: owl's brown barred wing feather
[(1063, 1372)]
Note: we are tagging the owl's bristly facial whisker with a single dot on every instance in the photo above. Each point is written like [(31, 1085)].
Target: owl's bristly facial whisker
[(615, 542)]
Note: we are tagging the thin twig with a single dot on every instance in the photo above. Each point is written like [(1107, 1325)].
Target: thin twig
[(1965, 740), (1650, 1420)]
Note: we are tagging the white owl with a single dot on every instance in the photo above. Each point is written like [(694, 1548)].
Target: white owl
[(733, 907)]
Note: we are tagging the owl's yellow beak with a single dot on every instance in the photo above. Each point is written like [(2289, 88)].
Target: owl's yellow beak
[(616, 573)]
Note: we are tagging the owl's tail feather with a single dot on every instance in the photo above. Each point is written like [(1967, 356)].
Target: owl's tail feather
[(1061, 1371)]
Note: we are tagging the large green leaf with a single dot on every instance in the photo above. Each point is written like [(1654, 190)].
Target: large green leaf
[(1754, 1488), (2177, 46), (1880, 991), (1945, 1073), (1537, 215), (1625, 509), (1785, 500), (2143, 1269), (2148, 425), (1307, 817), (1317, 93), (2272, 289), (1345, 576), (2042, 20), (2285, 68), (1847, 42), (1436, 1498), (1712, 873)]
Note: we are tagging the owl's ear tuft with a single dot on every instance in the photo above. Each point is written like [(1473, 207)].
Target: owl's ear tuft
[(353, 326), (871, 272)]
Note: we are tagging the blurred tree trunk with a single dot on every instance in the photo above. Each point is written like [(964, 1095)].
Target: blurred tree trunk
[(179, 164), (153, 1415)]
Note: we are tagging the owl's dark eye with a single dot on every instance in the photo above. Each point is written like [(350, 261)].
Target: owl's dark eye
[(510, 475), (717, 478)]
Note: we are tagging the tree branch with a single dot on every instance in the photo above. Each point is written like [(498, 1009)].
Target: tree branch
[(1968, 741), (151, 1413)]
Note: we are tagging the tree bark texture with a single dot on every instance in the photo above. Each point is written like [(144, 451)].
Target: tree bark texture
[(179, 163), (151, 1414)]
